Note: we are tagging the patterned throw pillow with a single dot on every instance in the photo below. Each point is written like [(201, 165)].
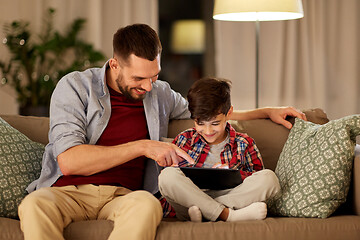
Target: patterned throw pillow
[(20, 164), (314, 168)]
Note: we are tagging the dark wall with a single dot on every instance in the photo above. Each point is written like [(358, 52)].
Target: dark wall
[(181, 70)]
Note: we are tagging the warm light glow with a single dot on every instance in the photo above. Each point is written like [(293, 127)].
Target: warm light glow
[(257, 10), (188, 36)]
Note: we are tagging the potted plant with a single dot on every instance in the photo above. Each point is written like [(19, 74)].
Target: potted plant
[(35, 67)]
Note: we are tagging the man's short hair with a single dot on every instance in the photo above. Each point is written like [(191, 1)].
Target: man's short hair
[(138, 39), (209, 97)]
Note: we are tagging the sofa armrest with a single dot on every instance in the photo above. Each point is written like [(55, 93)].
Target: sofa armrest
[(356, 181)]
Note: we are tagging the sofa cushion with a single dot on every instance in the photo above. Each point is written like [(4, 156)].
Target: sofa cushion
[(20, 164), (270, 137), (35, 128), (281, 228), (314, 168)]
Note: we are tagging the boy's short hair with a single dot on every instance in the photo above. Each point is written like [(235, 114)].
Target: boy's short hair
[(209, 97), (138, 39)]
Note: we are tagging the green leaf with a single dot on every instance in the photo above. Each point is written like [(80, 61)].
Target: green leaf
[(52, 53)]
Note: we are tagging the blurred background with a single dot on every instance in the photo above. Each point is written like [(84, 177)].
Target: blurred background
[(306, 63)]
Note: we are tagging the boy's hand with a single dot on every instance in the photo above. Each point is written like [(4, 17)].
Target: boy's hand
[(166, 154)]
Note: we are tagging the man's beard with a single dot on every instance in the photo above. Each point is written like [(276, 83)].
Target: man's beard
[(126, 91)]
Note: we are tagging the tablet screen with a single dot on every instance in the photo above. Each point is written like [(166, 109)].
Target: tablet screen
[(213, 178)]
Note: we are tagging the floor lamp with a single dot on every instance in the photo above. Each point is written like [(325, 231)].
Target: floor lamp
[(256, 11)]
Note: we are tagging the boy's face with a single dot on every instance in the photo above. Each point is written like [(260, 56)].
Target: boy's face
[(213, 131)]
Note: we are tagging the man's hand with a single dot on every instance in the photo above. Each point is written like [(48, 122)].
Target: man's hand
[(220, 165), (166, 154), (278, 115)]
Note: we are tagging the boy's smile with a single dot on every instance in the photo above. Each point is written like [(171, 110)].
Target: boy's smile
[(213, 131)]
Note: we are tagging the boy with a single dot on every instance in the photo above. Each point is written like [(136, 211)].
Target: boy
[(214, 143)]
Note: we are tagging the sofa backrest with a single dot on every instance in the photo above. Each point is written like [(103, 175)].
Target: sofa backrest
[(269, 136), (35, 128)]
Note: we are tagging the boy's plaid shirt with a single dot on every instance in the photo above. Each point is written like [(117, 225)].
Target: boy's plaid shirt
[(239, 153)]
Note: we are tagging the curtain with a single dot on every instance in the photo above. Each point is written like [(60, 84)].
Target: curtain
[(103, 18), (305, 63)]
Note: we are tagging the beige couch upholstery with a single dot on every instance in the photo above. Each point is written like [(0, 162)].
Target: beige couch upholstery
[(270, 138)]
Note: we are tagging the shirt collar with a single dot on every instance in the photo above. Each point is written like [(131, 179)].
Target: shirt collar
[(102, 76), (232, 133)]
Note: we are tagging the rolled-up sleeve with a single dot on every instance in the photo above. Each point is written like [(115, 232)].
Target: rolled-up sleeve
[(79, 111), (68, 119)]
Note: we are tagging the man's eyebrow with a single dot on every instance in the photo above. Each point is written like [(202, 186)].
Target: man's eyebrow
[(138, 77)]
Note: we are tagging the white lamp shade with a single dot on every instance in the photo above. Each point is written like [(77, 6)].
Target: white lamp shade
[(188, 36), (257, 10)]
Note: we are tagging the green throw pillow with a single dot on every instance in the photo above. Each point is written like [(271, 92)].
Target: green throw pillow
[(314, 168), (20, 164)]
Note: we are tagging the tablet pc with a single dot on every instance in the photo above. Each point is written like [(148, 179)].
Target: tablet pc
[(213, 178)]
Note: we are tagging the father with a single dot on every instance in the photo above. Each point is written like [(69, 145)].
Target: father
[(105, 124)]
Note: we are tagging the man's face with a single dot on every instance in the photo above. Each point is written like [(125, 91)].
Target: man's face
[(137, 76), (213, 131)]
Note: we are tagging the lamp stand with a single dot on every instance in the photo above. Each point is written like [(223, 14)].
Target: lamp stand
[(257, 27), (257, 10)]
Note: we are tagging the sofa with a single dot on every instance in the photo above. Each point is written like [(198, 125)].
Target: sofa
[(270, 138)]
